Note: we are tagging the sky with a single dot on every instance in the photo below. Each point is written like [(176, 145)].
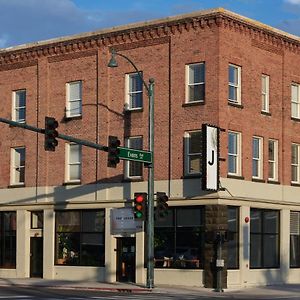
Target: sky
[(26, 21)]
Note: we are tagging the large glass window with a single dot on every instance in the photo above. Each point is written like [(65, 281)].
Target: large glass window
[(295, 239), (234, 153), (134, 169), (80, 237), (19, 106), (134, 94), (17, 176), (295, 164), (179, 238), (73, 162), (195, 90), (273, 160), (7, 239), (193, 145), (74, 99), (265, 93), (257, 157), (295, 101), (233, 238), (264, 238)]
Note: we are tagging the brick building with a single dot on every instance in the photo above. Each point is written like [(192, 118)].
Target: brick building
[(212, 67)]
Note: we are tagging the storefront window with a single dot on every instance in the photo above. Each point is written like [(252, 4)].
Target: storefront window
[(233, 238), (7, 239), (295, 239), (80, 237), (264, 238), (179, 239)]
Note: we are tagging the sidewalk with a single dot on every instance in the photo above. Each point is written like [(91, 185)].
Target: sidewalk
[(264, 292)]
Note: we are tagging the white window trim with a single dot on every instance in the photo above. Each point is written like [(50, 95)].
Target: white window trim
[(128, 93), (260, 158), (68, 101), (274, 162), (187, 137), (297, 102), (187, 83), (265, 79), (237, 86), (297, 164), (238, 155), (67, 164), (13, 166), (14, 107), (127, 162)]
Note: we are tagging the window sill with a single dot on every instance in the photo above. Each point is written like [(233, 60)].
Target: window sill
[(72, 183), (295, 119), (295, 184), (16, 185), (189, 176), (265, 113), (235, 176), (258, 180), (194, 103), (235, 104), (273, 181), (134, 110), (67, 119)]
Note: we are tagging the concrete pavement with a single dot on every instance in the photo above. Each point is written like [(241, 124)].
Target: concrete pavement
[(263, 292)]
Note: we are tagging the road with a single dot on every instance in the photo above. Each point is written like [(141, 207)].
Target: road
[(42, 293)]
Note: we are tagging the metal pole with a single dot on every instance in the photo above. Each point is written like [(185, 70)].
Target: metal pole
[(150, 219)]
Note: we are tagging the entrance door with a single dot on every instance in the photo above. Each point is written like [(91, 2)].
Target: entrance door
[(36, 257), (126, 259)]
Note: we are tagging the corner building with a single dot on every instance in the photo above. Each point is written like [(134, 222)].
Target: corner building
[(213, 67)]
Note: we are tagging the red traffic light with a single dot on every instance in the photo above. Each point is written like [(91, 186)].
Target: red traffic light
[(140, 202)]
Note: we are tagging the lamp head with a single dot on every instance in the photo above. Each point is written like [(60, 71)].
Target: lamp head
[(112, 62)]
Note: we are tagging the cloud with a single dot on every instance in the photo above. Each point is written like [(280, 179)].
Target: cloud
[(296, 2)]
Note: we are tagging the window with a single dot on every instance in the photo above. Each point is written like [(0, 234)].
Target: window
[(295, 239), (193, 144), (134, 169), (17, 166), (234, 75), (295, 105), (19, 106), (234, 153), (8, 239), (134, 91), (265, 93), (37, 219), (195, 88), (179, 238), (73, 167), (257, 157), (233, 238), (80, 237), (74, 99), (295, 163), (264, 238), (273, 160)]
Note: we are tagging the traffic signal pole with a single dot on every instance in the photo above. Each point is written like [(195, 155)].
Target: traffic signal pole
[(60, 136)]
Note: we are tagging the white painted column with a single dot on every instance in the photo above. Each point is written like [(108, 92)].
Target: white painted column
[(244, 245), (284, 244), (110, 250), (140, 257)]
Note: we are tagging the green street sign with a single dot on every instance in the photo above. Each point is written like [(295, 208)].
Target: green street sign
[(135, 155)]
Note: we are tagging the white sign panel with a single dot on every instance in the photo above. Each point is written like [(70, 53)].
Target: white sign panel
[(123, 221), (211, 158)]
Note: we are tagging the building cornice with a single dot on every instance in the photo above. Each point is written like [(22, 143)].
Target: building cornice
[(146, 31)]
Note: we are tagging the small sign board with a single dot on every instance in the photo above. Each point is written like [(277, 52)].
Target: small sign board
[(210, 157), (135, 155)]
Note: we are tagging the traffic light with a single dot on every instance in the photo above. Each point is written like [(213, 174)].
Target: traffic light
[(161, 205), (140, 202), (50, 134), (113, 151)]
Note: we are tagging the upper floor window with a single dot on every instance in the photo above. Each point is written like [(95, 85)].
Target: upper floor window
[(295, 163), (19, 106), (195, 87), (273, 160), (265, 93), (74, 99), (17, 166), (73, 165), (295, 105), (257, 157), (134, 169), (134, 91), (234, 76), (234, 153), (193, 144)]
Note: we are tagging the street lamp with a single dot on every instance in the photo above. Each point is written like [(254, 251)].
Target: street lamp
[(150, 213)]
